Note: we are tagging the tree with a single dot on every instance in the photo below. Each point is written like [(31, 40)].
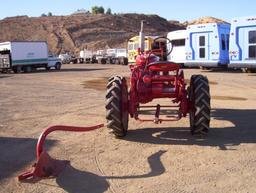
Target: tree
[(108, 11), (49, 14), (96, 10), (43, 15)]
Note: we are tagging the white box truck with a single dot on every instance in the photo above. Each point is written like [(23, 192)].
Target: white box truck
[(26, 56), (112, 56), (87, 56)]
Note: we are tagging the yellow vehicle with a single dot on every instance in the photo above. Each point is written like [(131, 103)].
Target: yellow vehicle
[(133, 45)]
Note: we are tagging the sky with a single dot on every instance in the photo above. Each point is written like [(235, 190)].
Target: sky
[(181, 10)]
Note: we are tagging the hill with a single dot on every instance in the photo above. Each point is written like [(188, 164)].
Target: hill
[(74, 32), (202, 20)]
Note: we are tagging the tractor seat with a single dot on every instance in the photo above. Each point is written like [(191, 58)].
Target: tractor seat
[(163, 66)]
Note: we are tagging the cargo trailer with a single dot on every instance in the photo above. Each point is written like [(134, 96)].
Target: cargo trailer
[(207, 45), (242, 52), (178, 39)]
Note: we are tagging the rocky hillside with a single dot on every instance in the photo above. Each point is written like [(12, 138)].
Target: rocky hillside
[(74, 32), (202, 20)]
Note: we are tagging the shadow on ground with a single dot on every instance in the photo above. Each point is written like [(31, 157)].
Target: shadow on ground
[(68, 70), (243, 131), (16, 153), (73, 180), (4, 76), (221, 70)]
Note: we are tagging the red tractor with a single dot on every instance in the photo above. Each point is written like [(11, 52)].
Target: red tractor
[(153, 79)]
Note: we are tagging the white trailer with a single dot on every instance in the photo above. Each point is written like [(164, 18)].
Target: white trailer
[(25, 56), (87, 56), (178, 39), (207, 45), (242, 47), (117, 56)]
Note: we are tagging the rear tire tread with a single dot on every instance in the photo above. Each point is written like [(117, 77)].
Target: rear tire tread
[(114, 108), (201, 100)]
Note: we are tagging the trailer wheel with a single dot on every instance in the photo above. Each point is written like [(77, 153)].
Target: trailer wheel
[(102, 61), (47, 67), (200, 110), (17, 69), (58, 66), (248, 70), (204, 68), (27, 69), (117, 106), (116, 61), (125, 61)]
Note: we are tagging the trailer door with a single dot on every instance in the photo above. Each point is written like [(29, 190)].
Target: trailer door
[(200, 42), (247, 42), (5, 59)]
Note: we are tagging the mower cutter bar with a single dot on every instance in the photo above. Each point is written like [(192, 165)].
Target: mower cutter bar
[(47, 166)]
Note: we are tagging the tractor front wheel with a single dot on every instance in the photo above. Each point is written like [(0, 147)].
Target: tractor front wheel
[(199, 96), (117, 106)]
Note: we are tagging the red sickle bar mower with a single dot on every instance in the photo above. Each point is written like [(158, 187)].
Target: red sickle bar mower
[(153, 79), (47, 166)]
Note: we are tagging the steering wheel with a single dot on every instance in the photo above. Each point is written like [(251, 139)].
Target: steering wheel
[(169, 45)]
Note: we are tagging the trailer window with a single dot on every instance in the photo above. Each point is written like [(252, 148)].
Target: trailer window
[(146, 45), (202, 41), (252, 37), (252, 51), (130, 46), (180, 42), (252, 44), (202, 52), (223, 42), (201, 46), (136, 46)]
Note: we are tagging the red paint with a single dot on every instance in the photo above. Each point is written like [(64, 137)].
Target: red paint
[(47, 166), (152, 79)]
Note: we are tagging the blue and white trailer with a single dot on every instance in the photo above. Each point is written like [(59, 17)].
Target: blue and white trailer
[(242, 52), (207, 45)]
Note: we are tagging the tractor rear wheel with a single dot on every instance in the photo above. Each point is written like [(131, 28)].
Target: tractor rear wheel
[(199, 96), (117, 106)]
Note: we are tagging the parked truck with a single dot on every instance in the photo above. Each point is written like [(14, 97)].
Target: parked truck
[(65, 58), (112, 56), (26, 56), (87, 56)]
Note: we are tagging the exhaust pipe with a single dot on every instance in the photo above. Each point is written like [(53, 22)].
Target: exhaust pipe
[(142, 36)]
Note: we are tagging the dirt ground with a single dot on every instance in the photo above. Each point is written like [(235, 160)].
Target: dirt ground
[(151, 159)]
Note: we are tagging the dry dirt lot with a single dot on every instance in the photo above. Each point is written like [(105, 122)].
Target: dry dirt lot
[(152, 158)]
